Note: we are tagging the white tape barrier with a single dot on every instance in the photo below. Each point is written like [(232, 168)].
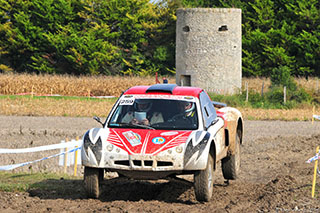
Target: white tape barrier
[(70, 157), (62, 145), (316, 157), (316, 117), (72, 146), (14, 166)]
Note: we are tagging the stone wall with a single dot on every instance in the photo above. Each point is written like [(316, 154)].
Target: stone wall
[(208, 49)]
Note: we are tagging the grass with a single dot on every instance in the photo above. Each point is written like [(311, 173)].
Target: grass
[(22, 182)]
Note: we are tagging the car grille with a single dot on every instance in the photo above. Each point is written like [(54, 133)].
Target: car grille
[(143, 163)]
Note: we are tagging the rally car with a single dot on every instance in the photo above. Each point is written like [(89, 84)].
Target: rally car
[(163, 130)]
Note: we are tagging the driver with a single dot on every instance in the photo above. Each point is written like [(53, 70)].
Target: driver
[(143, 106), (187, 110)]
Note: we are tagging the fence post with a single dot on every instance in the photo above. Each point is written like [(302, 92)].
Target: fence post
[(75, 160), (313, 111), (32, 91), (66, 158), (247, 92), (262, 89), (315, 175)]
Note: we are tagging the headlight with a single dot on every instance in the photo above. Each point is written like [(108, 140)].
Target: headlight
[(179, 149), (109, 147)]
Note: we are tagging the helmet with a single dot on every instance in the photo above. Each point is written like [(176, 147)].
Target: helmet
[(142, 105), (187, 106)]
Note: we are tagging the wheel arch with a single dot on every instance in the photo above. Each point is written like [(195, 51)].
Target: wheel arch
[(212, 152), (240, 128)]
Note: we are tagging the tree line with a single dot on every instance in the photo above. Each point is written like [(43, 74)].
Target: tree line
[(137, 37)]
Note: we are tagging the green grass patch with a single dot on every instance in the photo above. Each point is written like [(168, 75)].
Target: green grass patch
[(23, 182), (273, 99)]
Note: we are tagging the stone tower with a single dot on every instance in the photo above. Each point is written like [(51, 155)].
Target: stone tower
[(208, 49)]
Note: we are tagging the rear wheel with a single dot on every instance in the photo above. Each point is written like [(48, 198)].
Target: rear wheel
[(203, 182), (92, 178), (231, 164)]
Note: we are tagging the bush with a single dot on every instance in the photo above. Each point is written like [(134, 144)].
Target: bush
[(282, 76)]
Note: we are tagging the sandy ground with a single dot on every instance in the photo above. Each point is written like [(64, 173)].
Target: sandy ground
[(274, 176)]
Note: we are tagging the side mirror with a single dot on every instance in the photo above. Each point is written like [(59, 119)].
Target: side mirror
[(98, 120)]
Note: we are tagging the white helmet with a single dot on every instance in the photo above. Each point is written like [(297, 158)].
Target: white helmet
[(187, 106), (147, 104)]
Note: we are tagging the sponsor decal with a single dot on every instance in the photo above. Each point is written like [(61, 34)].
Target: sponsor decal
[(133, 138), (127, 101), (156, 96), (189, 98), (158, 140), (169, 133)]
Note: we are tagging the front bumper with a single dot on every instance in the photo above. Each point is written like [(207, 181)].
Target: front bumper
[(190, 155), (115, 158)]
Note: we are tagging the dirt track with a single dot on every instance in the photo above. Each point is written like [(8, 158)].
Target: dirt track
[(274, 174)]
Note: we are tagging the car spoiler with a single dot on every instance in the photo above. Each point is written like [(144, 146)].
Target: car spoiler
[(218, 104)]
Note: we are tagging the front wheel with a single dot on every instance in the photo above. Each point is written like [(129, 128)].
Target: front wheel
[(203, 182), (231, 164), (92, 178)]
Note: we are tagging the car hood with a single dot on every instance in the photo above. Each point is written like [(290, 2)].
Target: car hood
[(145, 141)]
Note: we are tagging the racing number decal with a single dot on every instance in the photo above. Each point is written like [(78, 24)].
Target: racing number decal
[(127, 101)]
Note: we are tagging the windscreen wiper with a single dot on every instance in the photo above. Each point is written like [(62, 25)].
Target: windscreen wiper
[(123, 125)]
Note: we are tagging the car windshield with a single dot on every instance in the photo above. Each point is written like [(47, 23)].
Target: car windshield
[(166, 114)]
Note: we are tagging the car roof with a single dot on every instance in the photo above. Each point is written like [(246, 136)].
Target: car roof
[(164, 89)]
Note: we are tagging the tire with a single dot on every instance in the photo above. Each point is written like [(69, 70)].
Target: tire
[(203, 182), (101, 175), (91, 181), (231, 164)]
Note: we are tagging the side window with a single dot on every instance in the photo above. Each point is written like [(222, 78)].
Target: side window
[(207, 109)]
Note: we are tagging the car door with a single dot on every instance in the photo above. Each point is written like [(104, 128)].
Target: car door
[(211, 122)]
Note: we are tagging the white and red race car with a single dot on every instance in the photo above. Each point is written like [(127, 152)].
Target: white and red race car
[(157, 131)]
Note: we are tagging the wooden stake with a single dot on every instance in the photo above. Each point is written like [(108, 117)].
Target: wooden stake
[(315, 175), (313, 111), (66, 158), (75, 160), (247, 92), (32, 92)]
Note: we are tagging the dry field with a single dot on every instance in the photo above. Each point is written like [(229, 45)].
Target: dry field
[(101, 108), (11, 84), (107, 85), (70, 85)]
